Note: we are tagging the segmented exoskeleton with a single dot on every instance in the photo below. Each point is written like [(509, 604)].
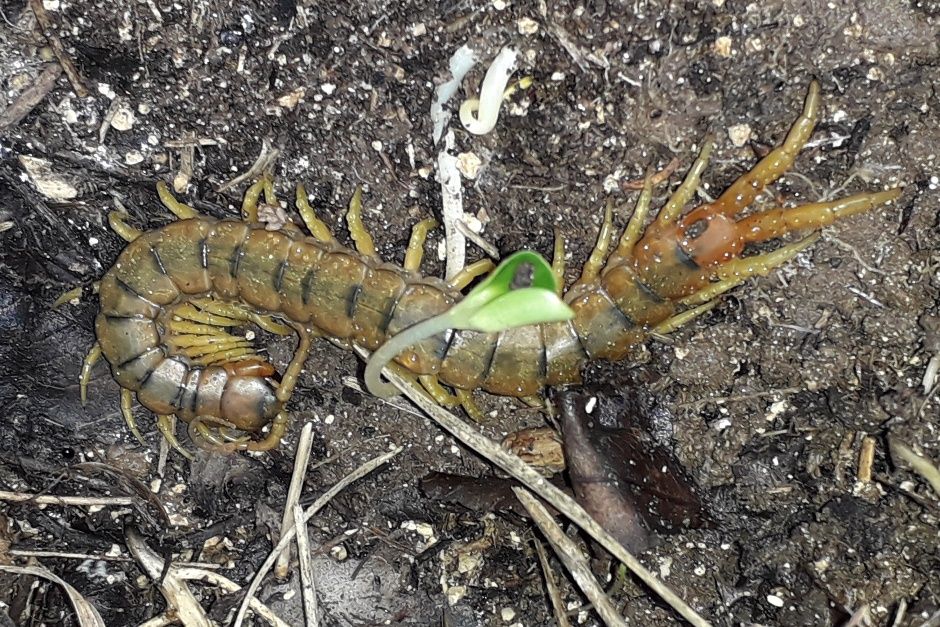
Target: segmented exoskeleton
[(168, 300)]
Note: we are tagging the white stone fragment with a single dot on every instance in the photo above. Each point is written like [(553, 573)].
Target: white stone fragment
[(739, 134)]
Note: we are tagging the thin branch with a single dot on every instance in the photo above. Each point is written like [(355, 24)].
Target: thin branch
[(571, 557)]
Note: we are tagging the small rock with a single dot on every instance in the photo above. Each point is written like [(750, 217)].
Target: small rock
[(468, 164), (722, 46), (123, 118), (507, 614), (527, 26), (739, 134)]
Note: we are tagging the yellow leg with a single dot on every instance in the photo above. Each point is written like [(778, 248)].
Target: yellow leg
[(596, 261), (737, 271), (274, 437), (189, 312), (463, 278), (250, 201), (469, 405), (166, 424), (558, 262), (90, 360), (437, 391), (669, 325), (743, 191), (767, 225), (415, 252), (686, 191), (315, 225), (231, 311), (633, 232), (127, 400), (289, 380), (122, 228), (357, 229), (73, 294), (180, 209)]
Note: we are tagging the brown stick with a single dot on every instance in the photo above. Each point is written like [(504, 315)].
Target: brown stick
[(48, 31), (31, 97)]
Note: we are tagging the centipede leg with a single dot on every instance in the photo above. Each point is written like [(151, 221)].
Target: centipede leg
[(360, 235), (317, 227), (737, 271), (166, 424), (767, 225), (127, 401), (122, 228), (595, 262), (469, 405), (250, 200), (274, 437), (289, 380), (180, 209), (437, 391), (90, 360), (633, 232), (743, 191), (686, 191), (415, 252), (669, 325), (558, 262), (463, 278)]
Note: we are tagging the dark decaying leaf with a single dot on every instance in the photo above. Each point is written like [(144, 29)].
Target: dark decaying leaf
[(619, 475)]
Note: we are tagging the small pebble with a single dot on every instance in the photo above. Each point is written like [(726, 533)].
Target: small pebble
[(527, 26), (739, 134)]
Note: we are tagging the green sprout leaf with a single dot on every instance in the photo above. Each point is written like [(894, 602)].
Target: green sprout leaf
[(519, 292)]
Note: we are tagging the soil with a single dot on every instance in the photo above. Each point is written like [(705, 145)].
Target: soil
[(766, 401)]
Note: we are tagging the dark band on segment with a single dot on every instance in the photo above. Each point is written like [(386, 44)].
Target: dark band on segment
[(649, 292), (352, 299), (449, 336), (236, 259), (158, 261), (685, 258), (491, 358), (279, 275), (390, 313), (306, 284), (204, 253)]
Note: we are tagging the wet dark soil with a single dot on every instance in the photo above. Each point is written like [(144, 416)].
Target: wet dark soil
[(765, 401)]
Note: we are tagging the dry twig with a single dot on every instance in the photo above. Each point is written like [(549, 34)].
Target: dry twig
[(558, 605), (87, 615), (571, 557), (30, 97), (48, 31), (301, 460)]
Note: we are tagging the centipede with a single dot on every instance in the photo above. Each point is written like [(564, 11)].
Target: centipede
[(170, 303)]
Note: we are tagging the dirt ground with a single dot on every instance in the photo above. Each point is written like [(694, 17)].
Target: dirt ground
[(767, 401)]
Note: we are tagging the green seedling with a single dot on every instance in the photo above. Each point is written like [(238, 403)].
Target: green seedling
[(521, 291)]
